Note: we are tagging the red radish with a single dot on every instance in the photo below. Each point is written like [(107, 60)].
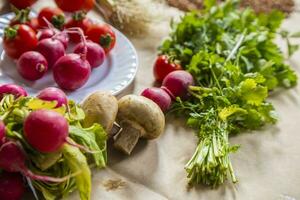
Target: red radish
[(71, 71), (11, 186), (51, 49), (46, 130), (32, 65), (95, 53), (13, 89), (53, 94), (13, 158), (2, 132), (4, 140), (159, 96), (54, 33), (177, 83), (45, 33), (63, 38)]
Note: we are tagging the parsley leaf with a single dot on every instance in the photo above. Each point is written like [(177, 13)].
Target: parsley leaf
[(235, 62)]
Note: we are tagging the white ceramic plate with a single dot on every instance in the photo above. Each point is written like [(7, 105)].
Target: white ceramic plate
[(114, 75)]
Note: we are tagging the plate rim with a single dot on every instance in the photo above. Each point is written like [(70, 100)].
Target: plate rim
[(118, 88)]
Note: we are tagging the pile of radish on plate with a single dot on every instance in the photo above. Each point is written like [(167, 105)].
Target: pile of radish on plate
[(40, 45)]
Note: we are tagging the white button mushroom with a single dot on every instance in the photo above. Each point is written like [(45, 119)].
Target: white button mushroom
[(102, 108), (138, 117)]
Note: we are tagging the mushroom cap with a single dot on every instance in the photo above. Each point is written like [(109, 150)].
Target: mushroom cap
[(143, 112), (100, 107)]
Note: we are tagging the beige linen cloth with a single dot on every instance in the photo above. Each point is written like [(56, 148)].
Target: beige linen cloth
[(267, 164)]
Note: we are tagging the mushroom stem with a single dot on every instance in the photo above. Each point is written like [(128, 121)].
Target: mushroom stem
[(128, 137), (115, 131)]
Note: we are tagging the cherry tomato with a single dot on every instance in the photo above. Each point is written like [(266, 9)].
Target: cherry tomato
[(54, 15), (34, 24), (163, 66), (80, 20), (22, 17), (19, 39), (75, 5), (21, 4), (103, 35)]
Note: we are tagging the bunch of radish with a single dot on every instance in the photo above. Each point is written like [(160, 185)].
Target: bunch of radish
[(12, 155), (175, 83), (41, 44), (45, 131)]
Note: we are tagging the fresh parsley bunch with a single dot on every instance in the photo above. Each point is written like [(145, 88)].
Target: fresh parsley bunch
[(235, 62)]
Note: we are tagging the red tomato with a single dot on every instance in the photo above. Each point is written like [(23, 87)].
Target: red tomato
[(103, 35), (80, 20), (75, 5), (34, 24), (54, 15), (163, 66), (22, 17), (19, 39), (21, 4)]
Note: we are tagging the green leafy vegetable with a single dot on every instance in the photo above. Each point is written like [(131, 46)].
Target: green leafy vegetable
[(94, 138), (69, 161), (78, 164), (235, 62)]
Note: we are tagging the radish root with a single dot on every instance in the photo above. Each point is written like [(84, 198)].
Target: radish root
[(81, 147), (83, 39)]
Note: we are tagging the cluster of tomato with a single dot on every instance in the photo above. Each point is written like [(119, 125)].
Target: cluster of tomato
[(65, 5), (23, 40)]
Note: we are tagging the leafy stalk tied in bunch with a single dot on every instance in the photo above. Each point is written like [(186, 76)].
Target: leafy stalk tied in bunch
[(235, 63)]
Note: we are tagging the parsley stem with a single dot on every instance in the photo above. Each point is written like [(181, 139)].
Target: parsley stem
[(237, 46)]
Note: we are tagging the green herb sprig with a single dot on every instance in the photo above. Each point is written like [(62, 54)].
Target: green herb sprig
[(235, 62)]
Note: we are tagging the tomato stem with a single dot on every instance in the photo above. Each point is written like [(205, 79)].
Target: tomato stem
[(11, 32), (14, 9), (79, 15), (105, 41), (58, 21), (22, 16)]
